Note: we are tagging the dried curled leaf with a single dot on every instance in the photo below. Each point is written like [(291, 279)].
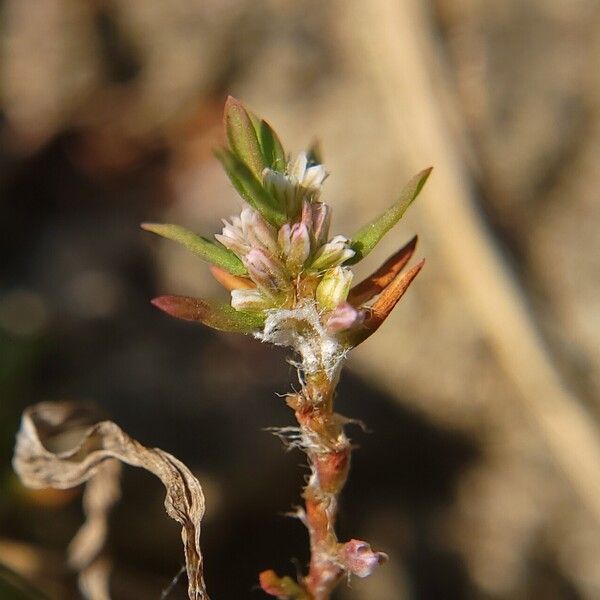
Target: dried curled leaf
[(102, 492), (40, 464)]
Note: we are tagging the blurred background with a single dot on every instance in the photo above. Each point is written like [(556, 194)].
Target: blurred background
[(481, 394)]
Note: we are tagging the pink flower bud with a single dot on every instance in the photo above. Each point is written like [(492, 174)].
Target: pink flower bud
[(333, 253), (321, 219), (343, 317), (359, 559), (294, 242), (266, 271), (284, 238), (334, 287)]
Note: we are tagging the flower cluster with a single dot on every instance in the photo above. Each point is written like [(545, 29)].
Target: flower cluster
[(277, 255), (296, 262)]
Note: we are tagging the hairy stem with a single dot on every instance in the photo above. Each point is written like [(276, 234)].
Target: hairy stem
[(321, 436), (328, 451)]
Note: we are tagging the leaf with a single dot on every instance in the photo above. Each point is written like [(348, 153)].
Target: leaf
[(218, 316), (282, 587), (229, 281), (251, 189), (242, 135), (272, 149), (207, 250), (38, 466), (382, 307), (101, 493), (374, 284), (364, 240)]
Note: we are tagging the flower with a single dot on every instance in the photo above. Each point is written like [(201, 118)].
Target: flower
[(359, 559), (333, 253), (300, 181), (276, 255)]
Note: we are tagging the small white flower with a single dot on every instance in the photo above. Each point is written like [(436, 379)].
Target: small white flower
[(250, 299), (248, 231), (233, 237), (310, 178), (333, 253), (257, 232), (299, 182)]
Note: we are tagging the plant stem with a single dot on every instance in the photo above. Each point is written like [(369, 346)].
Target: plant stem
[(321, 436), (328, 451)]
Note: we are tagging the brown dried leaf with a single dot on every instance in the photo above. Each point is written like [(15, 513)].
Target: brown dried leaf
[(374, 284), (383, 306), (102, 491), (40, 464)]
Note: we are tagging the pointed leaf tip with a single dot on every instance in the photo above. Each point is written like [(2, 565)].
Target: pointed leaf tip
[(376, 282), (218, 316), (242, 135), (364, 240), (207, 250), (271, 147), (383, 306)]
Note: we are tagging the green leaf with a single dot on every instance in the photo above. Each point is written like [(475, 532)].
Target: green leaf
[(218, 316), (207, 250), (364, 240), (272, 149), (251, 189), (242, 136), (270, 144)]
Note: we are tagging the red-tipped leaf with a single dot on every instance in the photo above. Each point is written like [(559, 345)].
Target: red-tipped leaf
[(218, 316)]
